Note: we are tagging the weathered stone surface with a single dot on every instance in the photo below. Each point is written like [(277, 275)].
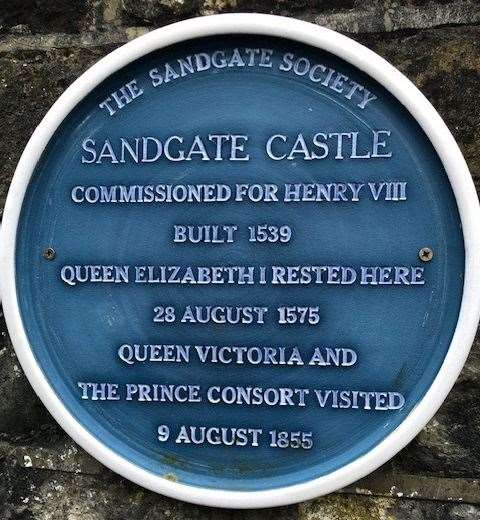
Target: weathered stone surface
[(45, 15), (342, 507), (30, 82), (388, 483), (48, 42), (29, 494), (471, 370), (450, 444), (59, 453), (36, 495), (153, 12), (388, 16), (20, 409), (353, 16), (160, 10)]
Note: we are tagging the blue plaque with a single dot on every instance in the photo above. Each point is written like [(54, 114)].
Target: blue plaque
[(239, 263)]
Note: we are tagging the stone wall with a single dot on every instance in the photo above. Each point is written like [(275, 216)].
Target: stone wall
[(44, 46)]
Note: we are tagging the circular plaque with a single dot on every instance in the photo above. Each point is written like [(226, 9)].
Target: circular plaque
[(239, 262)]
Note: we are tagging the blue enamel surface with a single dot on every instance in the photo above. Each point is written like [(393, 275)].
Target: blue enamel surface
[(400, 333)]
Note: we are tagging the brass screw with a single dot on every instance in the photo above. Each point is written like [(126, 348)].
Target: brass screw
[(49, 253), (425, 254)]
